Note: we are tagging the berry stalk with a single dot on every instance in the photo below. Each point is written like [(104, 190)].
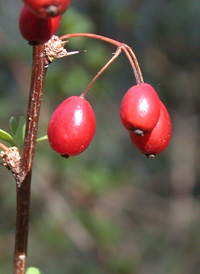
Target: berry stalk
[(2, 146), (125, 48), (117, 53), (128, 51)]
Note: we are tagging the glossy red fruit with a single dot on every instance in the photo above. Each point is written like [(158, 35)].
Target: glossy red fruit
[(47, 8), (157, 140), (140, 108), (71, 127), (37, 30)]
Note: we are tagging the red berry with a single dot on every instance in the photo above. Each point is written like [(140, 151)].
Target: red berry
[(37, 30), (140, 108), (72, 126), (155, 141), (47, 8)]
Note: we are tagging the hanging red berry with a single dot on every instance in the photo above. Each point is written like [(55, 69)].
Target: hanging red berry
[(72, 126), (140, 108), (47, 8), (35, 29), (157, 140)]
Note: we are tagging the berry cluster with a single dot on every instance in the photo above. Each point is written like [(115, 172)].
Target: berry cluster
[(146, 118), (72, 125), (40, 19)]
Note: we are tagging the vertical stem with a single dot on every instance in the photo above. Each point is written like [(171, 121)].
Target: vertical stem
[(138, 70), (134, 63), (24, 182)]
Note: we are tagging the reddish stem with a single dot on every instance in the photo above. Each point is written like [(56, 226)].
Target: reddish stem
[(134, 63), (2, 146), (24, 182), (128, 51), (93, 36), (117, 53)]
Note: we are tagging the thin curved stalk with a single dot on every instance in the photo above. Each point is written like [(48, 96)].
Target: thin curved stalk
[(117, 53), (128, 51)]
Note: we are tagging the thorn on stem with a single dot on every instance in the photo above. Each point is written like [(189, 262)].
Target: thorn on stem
[(54, 48), (76, 52)]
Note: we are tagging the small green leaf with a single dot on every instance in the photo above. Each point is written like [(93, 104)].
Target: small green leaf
[(6, 137), (20, 133), (13, 125), (43, 138), (33, 270)]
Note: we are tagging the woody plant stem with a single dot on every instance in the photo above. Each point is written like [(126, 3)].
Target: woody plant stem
[(24, 179)]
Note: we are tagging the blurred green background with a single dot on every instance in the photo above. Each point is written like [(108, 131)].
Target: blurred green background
[(109, 210)]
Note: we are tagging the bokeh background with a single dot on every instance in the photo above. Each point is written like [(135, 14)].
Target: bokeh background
[(109, 210)]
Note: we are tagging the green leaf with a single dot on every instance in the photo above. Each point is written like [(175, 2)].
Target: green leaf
[(43, 138), (13, 125), (6, 137), (33, 270), (20, 133)]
